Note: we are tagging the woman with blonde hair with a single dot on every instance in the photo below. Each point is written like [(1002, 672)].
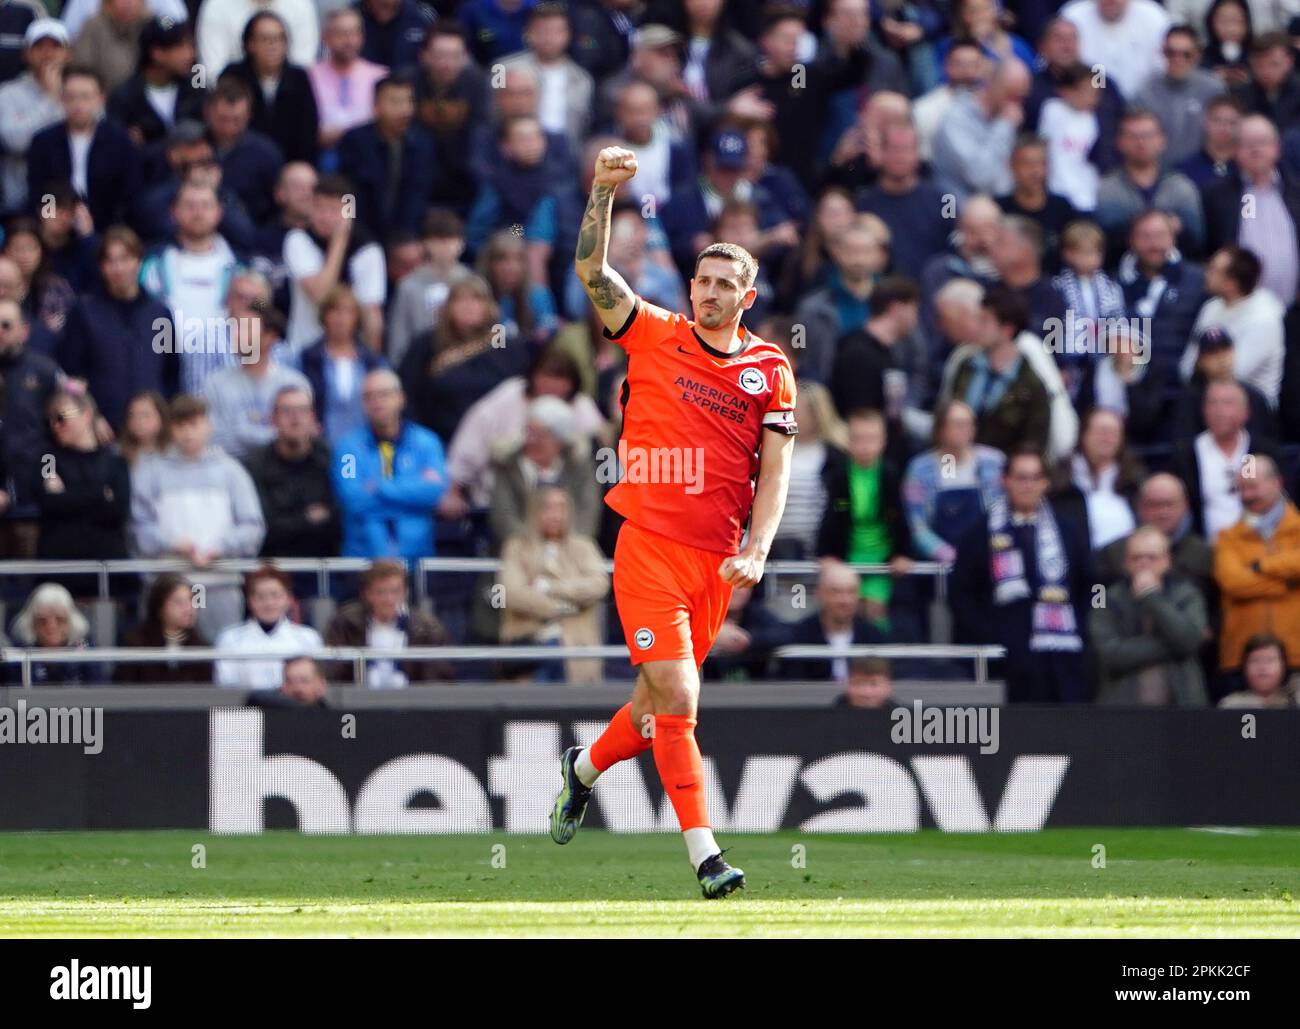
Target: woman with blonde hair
[(555, 581), (527, 309), (50, 619), (460, 360)]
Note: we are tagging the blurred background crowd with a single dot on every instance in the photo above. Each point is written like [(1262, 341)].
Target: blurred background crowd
[(293, 279)]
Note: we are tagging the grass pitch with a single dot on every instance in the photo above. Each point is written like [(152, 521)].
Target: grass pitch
[(1175, 882)]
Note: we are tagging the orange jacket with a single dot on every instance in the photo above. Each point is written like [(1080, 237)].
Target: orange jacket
[(1263, 601)]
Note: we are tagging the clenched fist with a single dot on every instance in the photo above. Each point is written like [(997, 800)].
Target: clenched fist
[(614, 166)]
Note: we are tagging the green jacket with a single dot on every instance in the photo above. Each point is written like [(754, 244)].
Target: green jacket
[(1023, 414), (1123, 648)]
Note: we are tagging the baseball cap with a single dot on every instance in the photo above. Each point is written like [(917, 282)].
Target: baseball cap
[(730, 149), (652, 37), (45, 28), (185, 132), (1212, 339)]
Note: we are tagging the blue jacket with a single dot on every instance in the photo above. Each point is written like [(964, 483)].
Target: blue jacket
[(389, 517)]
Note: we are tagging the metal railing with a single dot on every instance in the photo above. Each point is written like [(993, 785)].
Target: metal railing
[(324, 567), (359, 656)]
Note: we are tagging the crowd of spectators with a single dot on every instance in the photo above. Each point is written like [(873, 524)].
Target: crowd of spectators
[(292, 278)]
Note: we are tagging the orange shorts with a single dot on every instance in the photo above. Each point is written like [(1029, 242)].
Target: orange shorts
[(670, 598)]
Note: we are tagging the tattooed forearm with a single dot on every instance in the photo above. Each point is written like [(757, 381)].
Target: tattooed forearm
[(593, 237), (606, 290)]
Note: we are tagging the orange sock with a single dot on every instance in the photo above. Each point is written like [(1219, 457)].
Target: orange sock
[(681, 770), (620, 740)]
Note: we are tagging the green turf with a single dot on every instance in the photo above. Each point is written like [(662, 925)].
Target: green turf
[(1155, 882)]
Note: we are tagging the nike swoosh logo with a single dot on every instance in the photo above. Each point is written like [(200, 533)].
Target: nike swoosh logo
[(686, 787), (683, 350)]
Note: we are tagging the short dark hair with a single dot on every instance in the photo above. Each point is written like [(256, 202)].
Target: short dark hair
[(231, 90), (1023, 450), (441, 223), (1267, 41), (332, 186), (1028, 141), (185, 408), (1243, 267), (81, 71), (894, 289), (866, 414), (548, 9), (1008, 307), (298, 659), (445, 27), (161, 34), (773, 14), (397, 80), (1265, 641), (559, 363), (1225, 100), (1139, 114), (1184, 30), (731, 252), (1073, 75)]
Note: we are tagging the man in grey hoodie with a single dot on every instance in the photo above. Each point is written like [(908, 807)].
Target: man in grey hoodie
[(1178, 97), (198, 503)]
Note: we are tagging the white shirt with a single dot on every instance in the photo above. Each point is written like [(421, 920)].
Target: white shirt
[(553, 98), (163, 101), (193, 286), (840, 665), (1220, 501), (1070, 136), (1255, 323), (1130, 49), (221, 25), (1109, 515), (653, 162), (927, 114), (79, 145), (303, 258), (287, 639), (384, 674)]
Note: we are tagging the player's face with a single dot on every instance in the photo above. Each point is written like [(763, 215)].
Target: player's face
[(718, 294)]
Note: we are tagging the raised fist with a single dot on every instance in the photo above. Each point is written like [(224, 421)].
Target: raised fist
[(614, 166)]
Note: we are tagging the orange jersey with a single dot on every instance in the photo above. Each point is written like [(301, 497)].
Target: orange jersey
[(693, 421)]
